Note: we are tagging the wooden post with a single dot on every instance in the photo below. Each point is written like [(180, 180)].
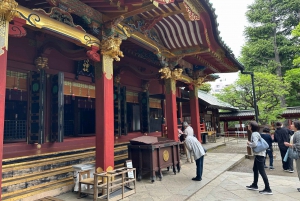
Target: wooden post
[(171, 109), (6, 15), (195, 117), (104, 114)]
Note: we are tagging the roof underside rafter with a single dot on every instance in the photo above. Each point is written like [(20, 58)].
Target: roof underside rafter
[(180, 28)]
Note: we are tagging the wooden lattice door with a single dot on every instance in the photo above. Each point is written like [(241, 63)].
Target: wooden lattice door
[(57, 108), (36, 128)]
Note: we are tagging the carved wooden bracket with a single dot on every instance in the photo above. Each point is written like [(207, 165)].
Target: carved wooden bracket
[(16, 29), (93, 54), (111, 47)]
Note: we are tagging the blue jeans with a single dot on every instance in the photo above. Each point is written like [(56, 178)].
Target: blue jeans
[(199, 165), (269, 152)]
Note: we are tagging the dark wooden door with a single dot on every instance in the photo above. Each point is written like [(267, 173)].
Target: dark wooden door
[(124, 127), (57, 108), (117, 111), (144, 111), (36, 128)]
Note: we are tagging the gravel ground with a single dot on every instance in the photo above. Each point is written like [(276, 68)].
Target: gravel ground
[(246, 165)]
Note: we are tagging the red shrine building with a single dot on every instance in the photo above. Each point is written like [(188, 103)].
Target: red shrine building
[(82, 77)]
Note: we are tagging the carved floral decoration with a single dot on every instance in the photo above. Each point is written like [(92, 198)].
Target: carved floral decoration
[(192, 15), (164, 1)]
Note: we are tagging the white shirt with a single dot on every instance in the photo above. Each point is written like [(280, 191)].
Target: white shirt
[(192, 144), (189, 131)]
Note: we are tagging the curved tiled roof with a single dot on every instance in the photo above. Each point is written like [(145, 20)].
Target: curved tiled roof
[(214, 102), (251, 113)]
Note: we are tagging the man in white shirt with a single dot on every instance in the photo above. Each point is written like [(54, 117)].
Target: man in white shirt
[(194, 146), (188, 130)]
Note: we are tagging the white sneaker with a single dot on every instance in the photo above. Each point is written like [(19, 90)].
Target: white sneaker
[(291, 171)]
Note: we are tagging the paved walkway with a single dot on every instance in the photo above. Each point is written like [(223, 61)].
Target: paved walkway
[(217, 183)]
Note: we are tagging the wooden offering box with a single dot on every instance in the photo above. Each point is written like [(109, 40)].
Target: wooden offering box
[(152, 154)]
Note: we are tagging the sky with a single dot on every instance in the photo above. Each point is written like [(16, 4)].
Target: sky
[(232, 21)]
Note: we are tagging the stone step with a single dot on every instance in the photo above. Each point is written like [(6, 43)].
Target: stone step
[(19, 169), (33, 191), (22, 182)]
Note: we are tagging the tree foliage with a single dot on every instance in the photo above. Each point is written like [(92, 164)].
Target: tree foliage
[(296, 33), (205, 87), (293, 77), (269, 46), (268, 88)]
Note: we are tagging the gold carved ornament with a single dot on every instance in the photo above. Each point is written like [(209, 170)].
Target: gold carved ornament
[(167, 73), (166, 155), (41, 63), (199, 81), (111, 47), (7, 10), (170, 77)]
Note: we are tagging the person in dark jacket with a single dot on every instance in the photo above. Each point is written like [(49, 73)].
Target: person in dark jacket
[(281, 136), (267, 137)]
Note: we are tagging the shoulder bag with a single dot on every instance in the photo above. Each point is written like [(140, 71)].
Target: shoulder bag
[(262, 145), (293, 153)]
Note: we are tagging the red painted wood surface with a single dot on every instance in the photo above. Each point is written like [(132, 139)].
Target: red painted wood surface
[(195, 116), (22, 149), (3, 62), (171, 112), (104, 122)]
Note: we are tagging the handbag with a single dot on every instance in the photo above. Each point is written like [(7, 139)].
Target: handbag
[(293, 153), (262, 145)]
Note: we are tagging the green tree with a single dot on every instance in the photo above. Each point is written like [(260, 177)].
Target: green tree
[(268, 88), (269, 45), (293, 77), (296, 33), (205, 87)]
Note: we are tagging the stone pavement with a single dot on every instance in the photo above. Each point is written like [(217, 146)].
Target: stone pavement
[(217, 183)]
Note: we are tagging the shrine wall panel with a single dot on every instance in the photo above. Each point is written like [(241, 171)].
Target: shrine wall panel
[(155, 87), (128, 79), (58, 62), (22, 50)]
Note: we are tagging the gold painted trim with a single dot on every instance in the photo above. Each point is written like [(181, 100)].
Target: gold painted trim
[(40, 21), (107, 66)]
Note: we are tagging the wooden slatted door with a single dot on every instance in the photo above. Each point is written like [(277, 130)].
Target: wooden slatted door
[(57, 108), (36, 128), (117, 111), (144, 111), (124, 129)]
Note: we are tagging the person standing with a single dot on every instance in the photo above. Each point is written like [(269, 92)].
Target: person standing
[(296, 144), (267, 137), (189, 131), (281, 136), (194, 146), (259, 158)]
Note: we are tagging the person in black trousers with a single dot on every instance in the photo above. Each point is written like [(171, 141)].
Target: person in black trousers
[(267, 137), (259, 158), (281, 136)]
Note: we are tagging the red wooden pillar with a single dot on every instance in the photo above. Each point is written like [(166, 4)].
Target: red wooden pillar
[(104, 114), (171, 109), (195, 112), (3, 67)]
